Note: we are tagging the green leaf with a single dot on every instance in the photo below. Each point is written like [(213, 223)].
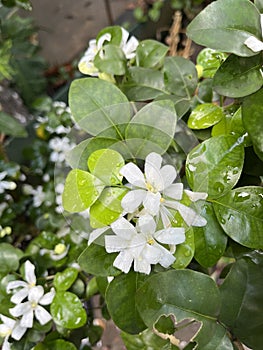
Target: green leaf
[(252, 111), (210, 60), (58, 344), (9, 257), (239, 76), (240, 215), (259, 4), (64, 280), (210, 240), (105, 164), (205, 115), (224, 25), (185, 251), (96, 261), (215, 165), (120, 298), (67, 311), (108, 207), (81, 190), (242, 300), (115, 34), (95, 99), (184, 294), (152, 128), (150, 53), (143, 84), (111, 59), (180, 77), (10, 126)]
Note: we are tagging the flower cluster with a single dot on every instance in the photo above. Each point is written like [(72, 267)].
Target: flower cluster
[(28, 299), (151, 203)]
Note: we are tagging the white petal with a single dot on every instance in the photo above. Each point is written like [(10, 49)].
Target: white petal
[(172, 235), (133, 175), (115, 244), (123, 228), (18, 331), (254, 44), (174, 191), (130, 48), (20, 296), (15, 284), (152, 253), (42, 315), (6, 345), (190, 217), (4, 330), (102, 39), (48, 297), (137, 245), (30, 276), (132, 200), (123, 261), (97, 233), (152, 171), (167, 258), (27, 319), (8, 322), (196, 196), (166, 216), (168, 173), (142, 266), (20, 309), (146, 224), (125, 36), (151, 203), (35, 294)]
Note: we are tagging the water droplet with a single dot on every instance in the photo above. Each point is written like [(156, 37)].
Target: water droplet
[(223, 221), (190, 300), (219, 187), (187, 253)]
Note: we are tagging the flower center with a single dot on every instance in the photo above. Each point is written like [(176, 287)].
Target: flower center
[(150, 241), (33, 304), (150, 187), (59, 248), (162, 200)]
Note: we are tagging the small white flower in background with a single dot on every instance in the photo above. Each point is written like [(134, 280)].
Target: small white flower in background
[(59, 188), (58, 253), (38, 194), (28, 309), (6, 185), (156, 191), (60, 147), (254, 43), (30, 278), (140, 244), (86, 65), (12, 328)]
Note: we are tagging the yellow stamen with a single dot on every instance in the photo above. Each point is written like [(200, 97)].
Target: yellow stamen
[(162, 200), (60, 248), (150, 241), (149, 187)]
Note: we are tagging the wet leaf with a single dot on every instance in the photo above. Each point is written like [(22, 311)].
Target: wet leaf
[(205, 115), (150, 53), (64, 280)]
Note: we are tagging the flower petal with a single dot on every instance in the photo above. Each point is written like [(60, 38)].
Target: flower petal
[(169, 174), (167, 258), (18, 331), (130, 47), (42, 315), (152, 253), (174, 191), (35, 294), (48, 297), (133, 175), (123, 228), (20, 309), (6, 345), (102, 39), (125, 36), (97, 233), (27, 319), (196, 196), (8, 322), (151, 203), (132, 200), (15, 284), (30, 276), (142, 266), (152, 171), (254, 44), (146, 224), (123, 261), (172, 235), (20, 296), (190, 217), (115, 244)]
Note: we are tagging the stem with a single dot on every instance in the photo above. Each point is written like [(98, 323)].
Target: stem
[(239, 345)]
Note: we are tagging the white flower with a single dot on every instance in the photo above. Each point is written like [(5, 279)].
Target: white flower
[(28, 309), (12, 328), (156, 191), (6, 185), (58, 253), (60, 147), (140, 244), (30, 278), (254, 43), (86, 65)]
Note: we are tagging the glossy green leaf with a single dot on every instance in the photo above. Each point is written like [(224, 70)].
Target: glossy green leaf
[(57, 344), (10, 126), (239, 76), (150, 53), (96, 261), (215, 165), (259, 4), (175, 293), (64, 280), (97, 100), (81, 190), (153, 125), (210, 240), (210, 60), (67, 311), (115, 35), (205, 115), (111, 59), (185, 251), (240, 215), (242, 300), (223, 127), (224, 25), (236, 127), (105, 164), (120, 298), (143, 84), (180, 76), (252, 114), (108, 207), (9, 257)]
